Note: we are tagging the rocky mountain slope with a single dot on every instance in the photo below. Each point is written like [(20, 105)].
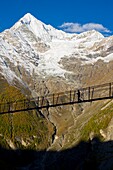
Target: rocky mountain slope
[(37, 59)]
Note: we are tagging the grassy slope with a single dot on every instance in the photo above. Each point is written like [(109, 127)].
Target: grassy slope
[(27, 126), (96, 116), (98, 121)]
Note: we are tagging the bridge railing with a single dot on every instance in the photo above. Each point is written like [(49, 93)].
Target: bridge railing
[(87, 94)]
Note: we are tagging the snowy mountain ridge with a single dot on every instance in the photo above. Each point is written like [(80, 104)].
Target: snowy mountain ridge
[(31, 47), (41, 30)]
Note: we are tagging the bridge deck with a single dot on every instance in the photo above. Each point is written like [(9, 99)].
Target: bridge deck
[(88, 94)]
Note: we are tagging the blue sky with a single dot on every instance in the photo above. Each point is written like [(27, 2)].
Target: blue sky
[(68, 15)]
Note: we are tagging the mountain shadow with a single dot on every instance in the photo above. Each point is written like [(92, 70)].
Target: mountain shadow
[(88, 155)]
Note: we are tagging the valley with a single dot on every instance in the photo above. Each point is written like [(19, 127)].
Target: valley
[(38, 60)]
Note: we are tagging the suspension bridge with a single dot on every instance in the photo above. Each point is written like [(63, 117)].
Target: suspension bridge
[(82, 95)]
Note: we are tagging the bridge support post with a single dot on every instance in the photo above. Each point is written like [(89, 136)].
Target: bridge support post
[(53, 99), (24, 102), (110, 94), (78, 96), (8, 106), (42, 102), (88, 93), (70, 95)]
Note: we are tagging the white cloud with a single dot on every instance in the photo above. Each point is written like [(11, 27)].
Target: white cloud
[(78, 28)]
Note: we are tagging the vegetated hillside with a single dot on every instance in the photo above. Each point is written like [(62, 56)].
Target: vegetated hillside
[(96, 121), (24, 129)]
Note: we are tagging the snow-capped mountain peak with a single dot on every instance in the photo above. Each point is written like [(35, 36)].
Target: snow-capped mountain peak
[(45, 32), (31, 48)]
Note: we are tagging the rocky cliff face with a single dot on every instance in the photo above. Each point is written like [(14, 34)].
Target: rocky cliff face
[(41, 60)]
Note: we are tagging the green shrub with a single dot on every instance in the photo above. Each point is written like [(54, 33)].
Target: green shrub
[(23, 125), (97, 122)]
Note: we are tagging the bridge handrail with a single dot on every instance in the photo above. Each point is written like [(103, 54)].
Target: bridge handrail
[(60, 93)]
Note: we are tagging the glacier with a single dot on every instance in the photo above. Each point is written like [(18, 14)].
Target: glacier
[(37, 48)]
